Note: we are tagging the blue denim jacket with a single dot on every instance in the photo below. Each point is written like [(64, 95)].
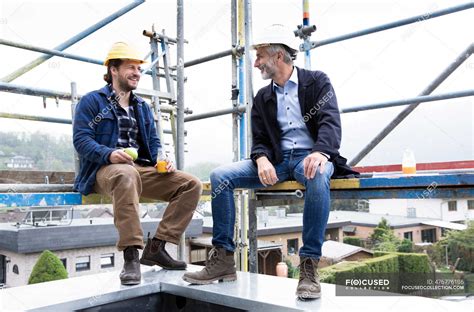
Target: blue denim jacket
[(96, 131)]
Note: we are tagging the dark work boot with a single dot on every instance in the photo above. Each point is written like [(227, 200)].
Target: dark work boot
[(308, 286), (219, 267), (156, 254), (130, 274)]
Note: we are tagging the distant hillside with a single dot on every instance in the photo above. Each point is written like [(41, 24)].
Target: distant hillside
[(47, 152)]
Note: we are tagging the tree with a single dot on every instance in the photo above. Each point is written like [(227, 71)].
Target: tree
[(382, 229), (460, 244), (383, 238), (47, 268), (405, 246)]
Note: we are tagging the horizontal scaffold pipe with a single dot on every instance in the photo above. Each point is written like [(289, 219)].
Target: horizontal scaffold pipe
[(20, 89), (419, 99), (215, 56), (60, 53), (49, 51), (83, 34), (31, 188), (418, 18), (215, 113), (48, 119), (25, 90)]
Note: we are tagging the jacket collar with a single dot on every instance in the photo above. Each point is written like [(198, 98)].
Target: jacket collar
[(110, 93)]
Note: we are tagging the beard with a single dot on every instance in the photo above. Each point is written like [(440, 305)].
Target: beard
[(125, 85), (268, 70)]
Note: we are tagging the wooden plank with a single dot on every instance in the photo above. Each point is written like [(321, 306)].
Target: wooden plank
[(293, 185)]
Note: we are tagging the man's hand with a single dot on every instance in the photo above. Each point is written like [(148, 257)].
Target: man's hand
[(311, 163), (169, 165), (266, 171), (120, 157)]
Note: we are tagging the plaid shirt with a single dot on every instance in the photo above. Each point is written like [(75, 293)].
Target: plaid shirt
[(128, 127)]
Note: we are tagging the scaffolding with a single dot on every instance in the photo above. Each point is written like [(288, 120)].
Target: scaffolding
[(172, 102)]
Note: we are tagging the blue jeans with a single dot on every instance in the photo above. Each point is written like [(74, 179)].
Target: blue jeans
[(244, 174)]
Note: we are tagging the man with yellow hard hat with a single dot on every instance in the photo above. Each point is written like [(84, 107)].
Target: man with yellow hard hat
[(110, 122)]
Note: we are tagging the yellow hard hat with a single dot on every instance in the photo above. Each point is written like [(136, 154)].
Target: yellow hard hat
[(121, 50)]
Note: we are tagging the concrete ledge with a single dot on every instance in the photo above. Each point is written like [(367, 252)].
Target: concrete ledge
[(81, 233), (252, 292)]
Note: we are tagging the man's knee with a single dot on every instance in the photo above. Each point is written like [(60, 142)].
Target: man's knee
[(218, 174), (324, 178), (125, 175), (195, 184)]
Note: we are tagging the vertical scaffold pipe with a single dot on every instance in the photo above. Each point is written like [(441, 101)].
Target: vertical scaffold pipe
[(307, 53), (243, 249), (241, 39), (180, 102), (251, 207)]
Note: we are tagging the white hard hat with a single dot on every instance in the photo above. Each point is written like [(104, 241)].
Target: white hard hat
[(276, 34)]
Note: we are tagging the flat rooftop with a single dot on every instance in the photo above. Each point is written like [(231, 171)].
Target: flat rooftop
[(291, 223), (80, 233), (251, 292)]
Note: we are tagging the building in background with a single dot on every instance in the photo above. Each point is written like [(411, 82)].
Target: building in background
[(450, 210), (86, 246)]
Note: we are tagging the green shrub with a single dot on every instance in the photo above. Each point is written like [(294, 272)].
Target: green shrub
[(293, 271), (47, 268), (405, 246), (383, 264), (354, 241), (410, 262)]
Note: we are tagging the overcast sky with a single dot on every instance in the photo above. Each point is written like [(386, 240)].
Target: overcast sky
[(389, 65)]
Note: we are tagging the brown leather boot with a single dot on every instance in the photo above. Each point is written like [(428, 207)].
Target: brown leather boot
[(156, 254), (130, 274), (219, 267), (308, 286)]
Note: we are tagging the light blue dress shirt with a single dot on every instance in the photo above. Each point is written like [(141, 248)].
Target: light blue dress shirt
[(295, 134)]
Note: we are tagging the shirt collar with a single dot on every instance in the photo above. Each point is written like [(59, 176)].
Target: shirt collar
[(111, 94), (293, 78)]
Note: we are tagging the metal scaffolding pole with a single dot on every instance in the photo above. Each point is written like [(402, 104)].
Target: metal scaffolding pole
[(53, 120), (155, 100), (400, 117), (307, 53), (20, 71), (74, 101), (403, 22), (235, 129), (58, 53), (252, 209), (31, 188), (50, 51), (418, 99), (180, 101), (220, 112), (234, 88), (59, 95), (20, 89), (235, 50)]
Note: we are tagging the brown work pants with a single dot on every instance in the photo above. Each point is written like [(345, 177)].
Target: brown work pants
[(126, 183)]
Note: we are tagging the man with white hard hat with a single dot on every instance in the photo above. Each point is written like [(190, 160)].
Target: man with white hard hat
[(296, 132), (115, 137)]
